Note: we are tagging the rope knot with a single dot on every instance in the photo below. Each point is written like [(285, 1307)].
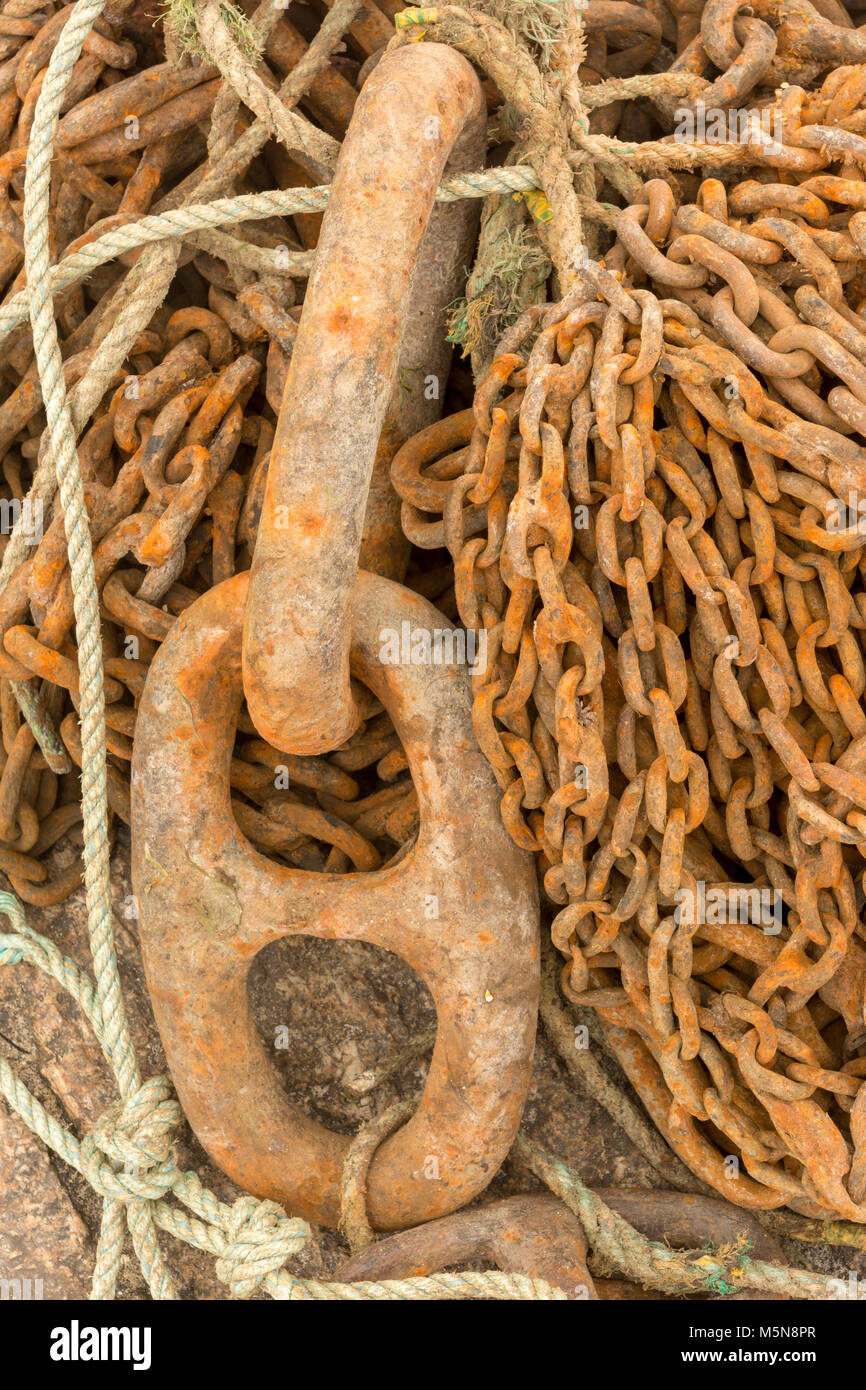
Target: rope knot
[(261, 1237), (133, 1139)]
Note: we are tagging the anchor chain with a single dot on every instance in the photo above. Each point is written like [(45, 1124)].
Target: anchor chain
[(646, 525)]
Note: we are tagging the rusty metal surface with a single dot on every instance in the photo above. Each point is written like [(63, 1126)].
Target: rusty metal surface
[(198, 373), (641, 510), (477, 947), (91, 197), (209, 901), (674, 704), (538, 1235), (535, 1235), (408, 118)]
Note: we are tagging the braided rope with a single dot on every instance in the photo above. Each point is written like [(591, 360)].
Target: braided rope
[(354, 1222), (180, 222), (114, 1031), (293, 130), (47, 351), (617, 1245), (150, 281), (137, 300)]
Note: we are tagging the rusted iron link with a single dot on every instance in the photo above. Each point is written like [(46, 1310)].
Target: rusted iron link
[(671, 587), (210, 902), (538, 1235), (339, 383), (130, 497)]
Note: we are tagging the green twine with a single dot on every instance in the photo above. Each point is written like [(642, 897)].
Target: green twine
[(179, 15), (509, 274)]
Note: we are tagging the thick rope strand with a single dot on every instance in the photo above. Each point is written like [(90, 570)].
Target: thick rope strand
[(115, 1036)]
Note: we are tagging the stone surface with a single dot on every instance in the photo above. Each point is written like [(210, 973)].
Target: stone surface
[(44, 1244)]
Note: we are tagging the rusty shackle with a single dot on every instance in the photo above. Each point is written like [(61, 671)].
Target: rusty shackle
[(460, 905), (209, 902), (418, 106)]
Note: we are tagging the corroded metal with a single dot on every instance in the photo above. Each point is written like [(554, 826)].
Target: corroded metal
[(538, 1235), (459, 907), (670, 579), (707, 410), (412, 113), (534, 1235)]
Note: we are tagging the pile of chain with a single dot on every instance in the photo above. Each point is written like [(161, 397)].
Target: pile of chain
[(175, 458), (655, 509)]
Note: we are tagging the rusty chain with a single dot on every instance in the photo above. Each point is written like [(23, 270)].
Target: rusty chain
[(655, 514)]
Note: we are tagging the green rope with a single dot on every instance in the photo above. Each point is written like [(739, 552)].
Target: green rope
[(617, 1246), (114, 1033), (510, 273), (179, 15)]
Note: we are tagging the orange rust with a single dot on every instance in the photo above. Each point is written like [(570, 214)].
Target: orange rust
[(209, 902)]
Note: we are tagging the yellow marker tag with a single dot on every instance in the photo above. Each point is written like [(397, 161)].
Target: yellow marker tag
[(410, 19), (538, 205)]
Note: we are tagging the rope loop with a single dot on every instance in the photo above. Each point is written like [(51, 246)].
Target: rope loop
[(261, 1237), (134, 1139)]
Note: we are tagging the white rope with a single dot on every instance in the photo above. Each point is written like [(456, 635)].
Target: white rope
[(180, 222), (127, 1157), (114, 1033)]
